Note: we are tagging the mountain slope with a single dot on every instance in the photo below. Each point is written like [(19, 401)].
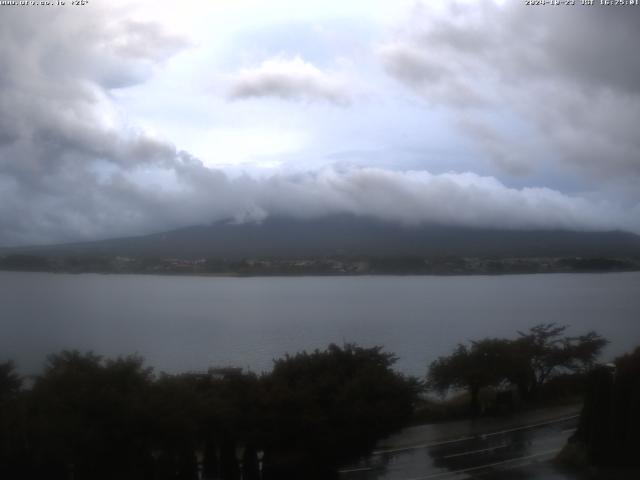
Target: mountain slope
[(348, 235)]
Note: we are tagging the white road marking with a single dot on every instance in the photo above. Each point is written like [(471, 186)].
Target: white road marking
[(423, 445), (351, 470), (541, 424), (471, 452), (473, 437)]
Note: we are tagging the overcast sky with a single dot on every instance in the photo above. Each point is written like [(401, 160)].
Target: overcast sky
[(121, 118)]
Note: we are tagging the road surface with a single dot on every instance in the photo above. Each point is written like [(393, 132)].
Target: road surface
[(475, 451)]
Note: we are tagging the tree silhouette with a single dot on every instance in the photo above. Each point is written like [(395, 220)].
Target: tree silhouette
[(87, 417), (10, 382), (327, 406), (543, 351), (11, 427), (479, 365), (527, 362)]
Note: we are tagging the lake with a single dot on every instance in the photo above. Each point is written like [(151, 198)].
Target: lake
[(190, 323)]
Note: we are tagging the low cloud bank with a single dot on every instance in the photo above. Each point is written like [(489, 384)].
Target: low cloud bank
[(120, 204)]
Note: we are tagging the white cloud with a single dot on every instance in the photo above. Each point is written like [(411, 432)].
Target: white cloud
[(420, 197), (290, 79)]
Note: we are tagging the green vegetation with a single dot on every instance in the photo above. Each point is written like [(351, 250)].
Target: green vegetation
[(527, 363), (86, 417)]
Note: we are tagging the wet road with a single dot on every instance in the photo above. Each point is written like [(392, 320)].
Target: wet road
[(522, 452)]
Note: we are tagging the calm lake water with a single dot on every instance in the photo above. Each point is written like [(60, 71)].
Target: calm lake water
[(191, 323)]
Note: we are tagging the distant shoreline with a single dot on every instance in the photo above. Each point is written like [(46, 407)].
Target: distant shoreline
[(322, 267)]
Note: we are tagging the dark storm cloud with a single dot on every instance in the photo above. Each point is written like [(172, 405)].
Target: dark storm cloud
[(571, 74)]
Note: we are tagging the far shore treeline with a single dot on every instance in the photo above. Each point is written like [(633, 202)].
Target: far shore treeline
[(322, 265), (338, 244), (89, 417)]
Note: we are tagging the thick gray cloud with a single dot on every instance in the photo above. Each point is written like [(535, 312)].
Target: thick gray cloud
[(72, 167), (59, 126), (92, 208), (418, 197), (570, 76), (505, 152), (289, 79), (58, 69)]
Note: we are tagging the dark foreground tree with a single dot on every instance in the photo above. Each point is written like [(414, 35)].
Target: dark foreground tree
[(88, 416), (10, 419), (10, 382), (213, 412), (328, 406), (91, 418), (527, 362), (484, 363), (607, 433), (543, 351)]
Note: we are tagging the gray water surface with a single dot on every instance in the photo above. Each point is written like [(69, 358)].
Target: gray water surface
[(191, 323)]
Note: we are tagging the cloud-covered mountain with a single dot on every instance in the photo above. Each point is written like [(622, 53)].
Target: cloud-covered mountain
[(348, 235), (513, 117)]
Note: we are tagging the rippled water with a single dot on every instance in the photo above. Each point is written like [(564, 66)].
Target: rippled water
[(180, 323)]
